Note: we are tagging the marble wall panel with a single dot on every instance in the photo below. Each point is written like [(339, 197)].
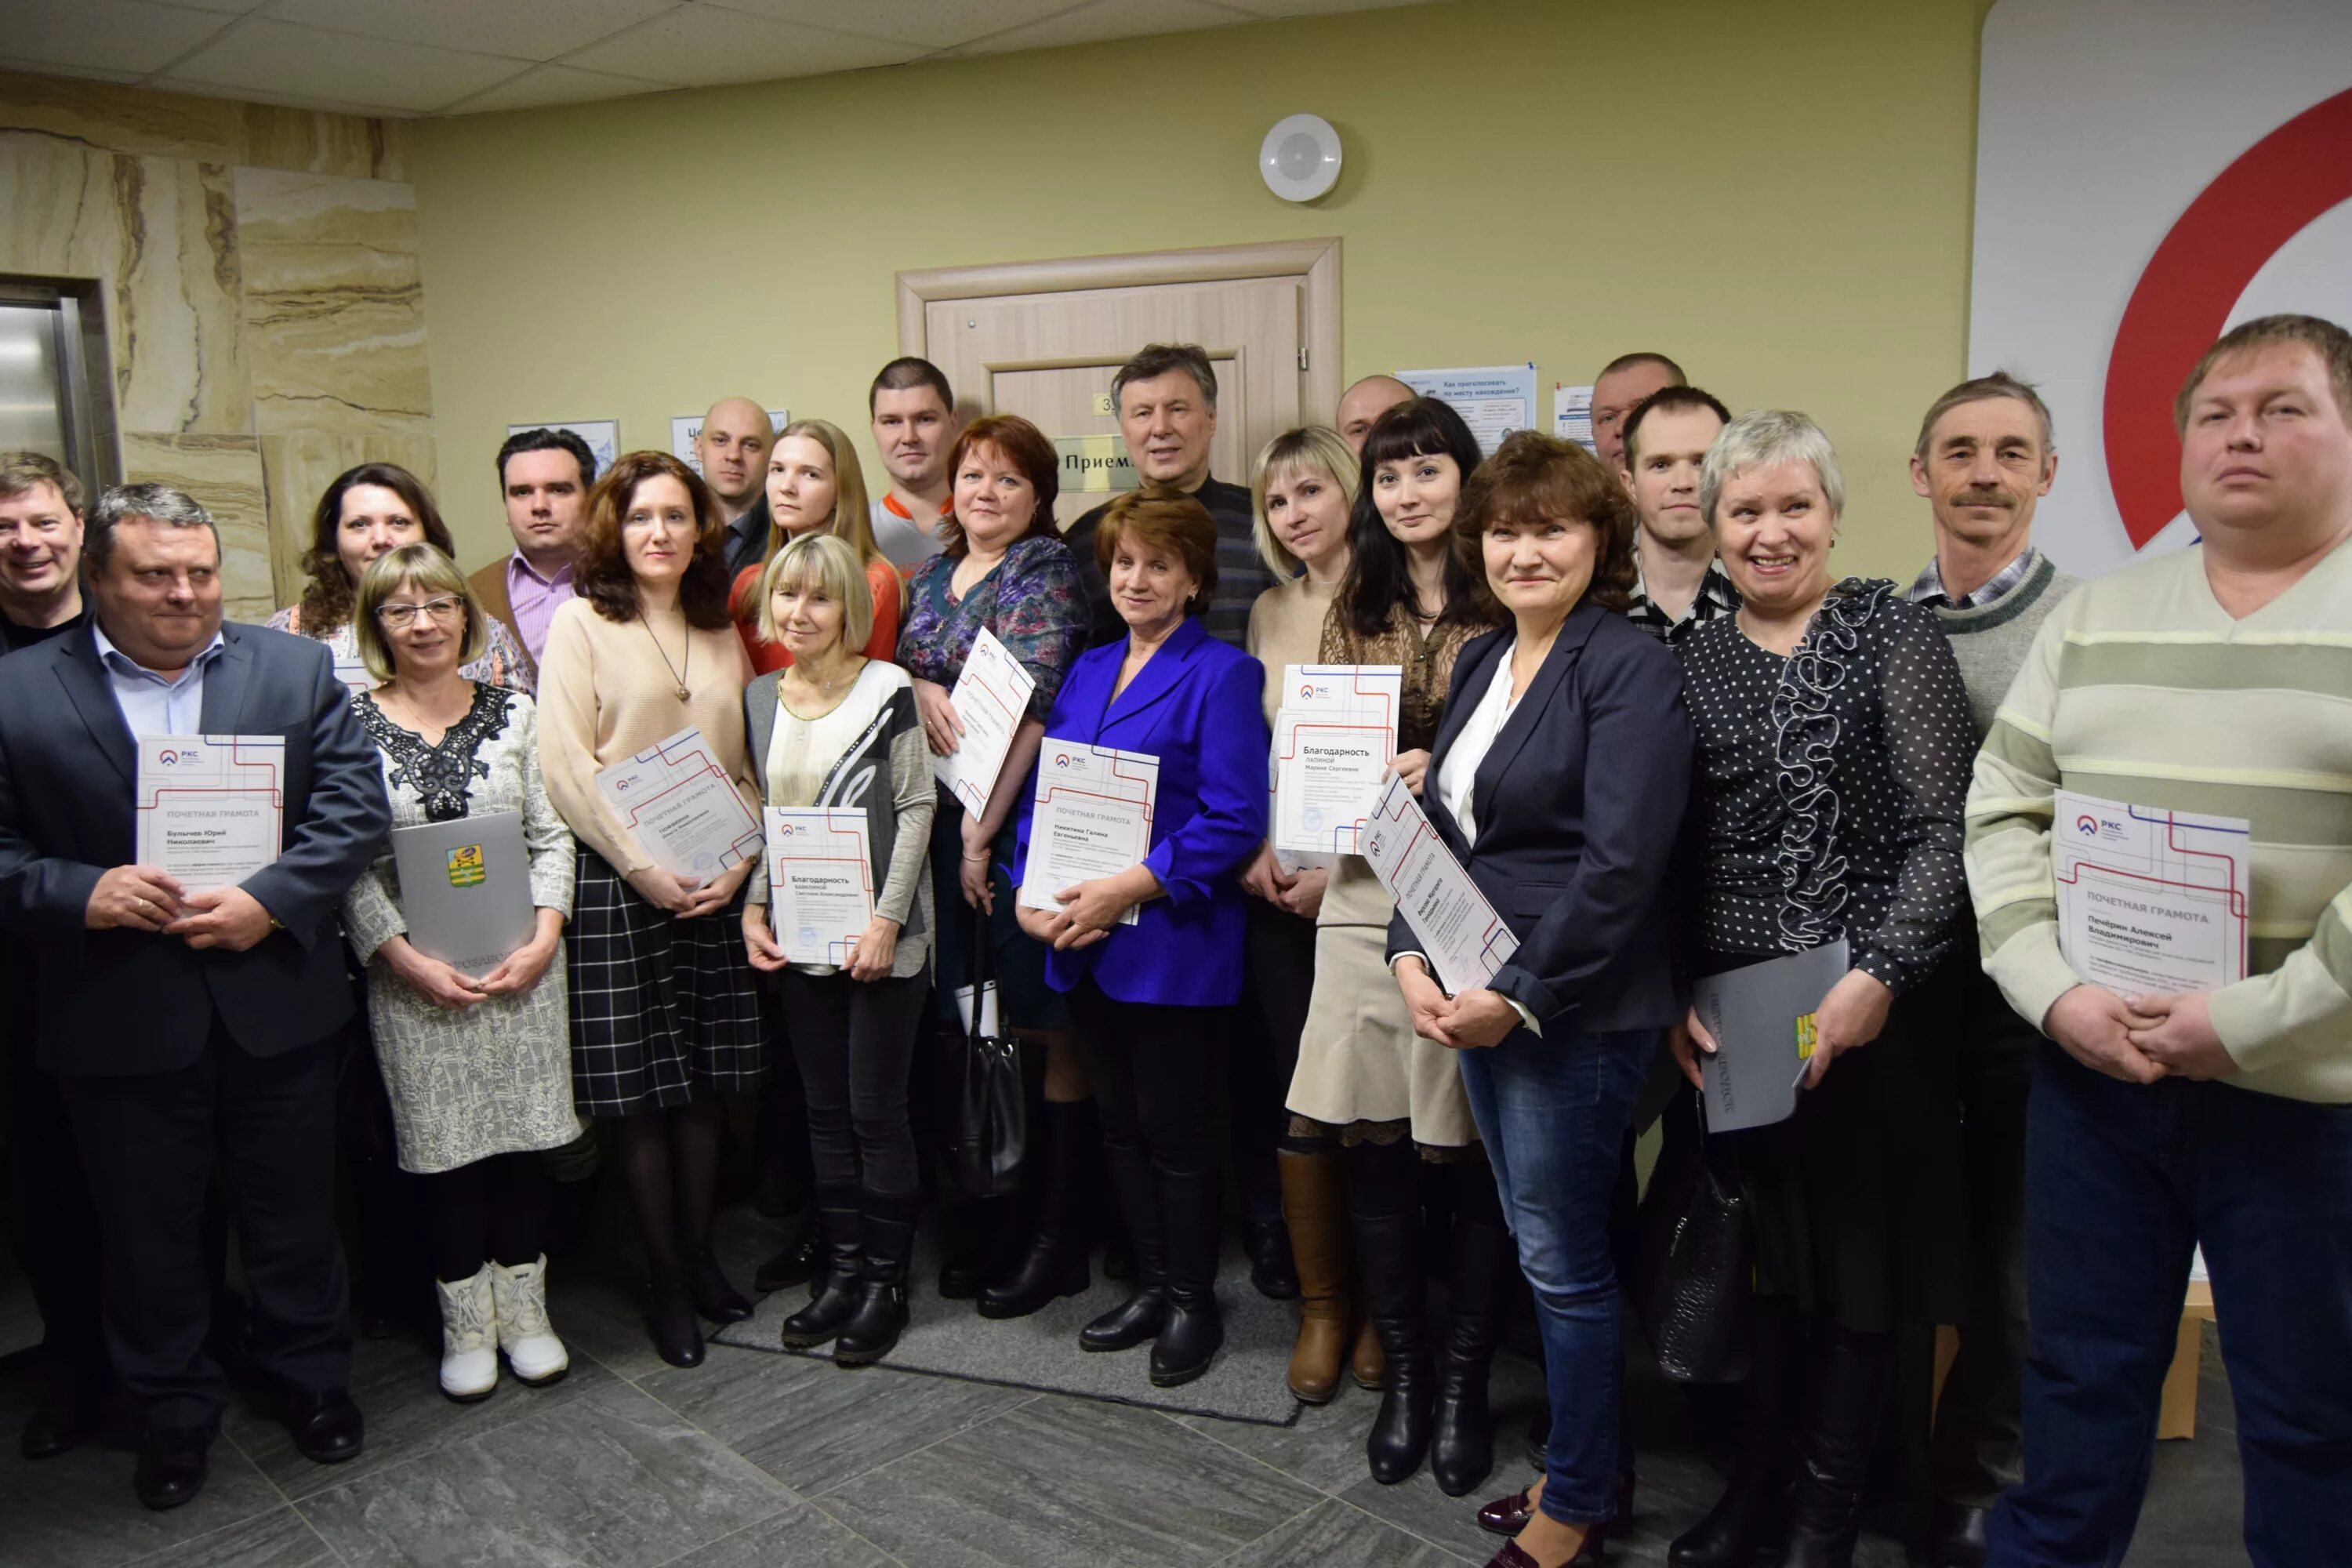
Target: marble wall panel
[(319, 143), (296, 470), (179, 359), (225, 474), (334, 307), (94, 118), (57, 208)]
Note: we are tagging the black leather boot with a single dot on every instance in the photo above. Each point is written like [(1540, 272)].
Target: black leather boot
[(1752, 1513), (1273, 1270), (670, 1321), (1462, 1445), (1193, 1329), (1388, 1257), (1055, 1265), (799, 1263), (1833, 1451), (835, 1300), (1141, 1316), (886, 1223)]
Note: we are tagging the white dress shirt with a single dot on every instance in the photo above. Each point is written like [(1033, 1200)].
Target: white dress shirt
[(153, 704)]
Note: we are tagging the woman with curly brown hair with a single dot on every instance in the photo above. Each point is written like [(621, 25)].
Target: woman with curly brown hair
[(367, 511), (664, 1020)]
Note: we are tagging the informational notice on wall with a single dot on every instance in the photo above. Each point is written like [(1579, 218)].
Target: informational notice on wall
[(602, 435), (1571, 415), (685, 429), (1493, 400)]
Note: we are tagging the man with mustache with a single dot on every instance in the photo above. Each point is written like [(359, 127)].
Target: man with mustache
[(1984, 459), (915, 426)]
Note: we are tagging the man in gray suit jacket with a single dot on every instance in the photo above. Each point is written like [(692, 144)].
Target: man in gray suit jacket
[(191, 1031)]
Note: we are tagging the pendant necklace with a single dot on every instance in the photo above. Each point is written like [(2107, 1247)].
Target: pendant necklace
[(676, 673)]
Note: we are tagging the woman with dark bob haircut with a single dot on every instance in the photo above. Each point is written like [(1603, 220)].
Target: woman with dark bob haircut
[(665, 1019), (1147, 996), (368, 511), (1558, 779)]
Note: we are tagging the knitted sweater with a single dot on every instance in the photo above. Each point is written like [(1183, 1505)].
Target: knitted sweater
[(2141, 687), (1991, 640)]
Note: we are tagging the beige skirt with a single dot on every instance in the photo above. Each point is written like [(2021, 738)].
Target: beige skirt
[(1358, 1059)]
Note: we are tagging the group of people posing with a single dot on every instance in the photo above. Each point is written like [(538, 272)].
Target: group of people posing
[(1664, 737)]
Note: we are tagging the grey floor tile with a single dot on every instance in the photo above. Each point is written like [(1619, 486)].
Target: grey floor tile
[(800, 1537), (602, 1316), (813, 1426), (76, 1511), (1331, 1531), (1415, 1506), (279, 1540), (1066, 1482), (610, 1479), (1324, 1448), (395, 1382)]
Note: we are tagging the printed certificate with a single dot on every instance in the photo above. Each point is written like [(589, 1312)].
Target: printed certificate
[(1464, 940), (820, 881), (990, 697), (685, 812), (1093, 818), (1333, 737), (209, 807), (2150, 902)]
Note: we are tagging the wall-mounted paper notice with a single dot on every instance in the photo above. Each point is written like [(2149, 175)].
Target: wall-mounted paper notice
[(602, 435), (684, 429), (1493, 400), (1571, 415)]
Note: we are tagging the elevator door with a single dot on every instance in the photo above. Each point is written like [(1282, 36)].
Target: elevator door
[(31, 381)]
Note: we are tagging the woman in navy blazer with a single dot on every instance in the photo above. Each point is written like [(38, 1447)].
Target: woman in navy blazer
[(1558, 780), (1146, 997)]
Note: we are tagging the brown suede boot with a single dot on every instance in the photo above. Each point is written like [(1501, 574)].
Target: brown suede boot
[(1315, 1207)]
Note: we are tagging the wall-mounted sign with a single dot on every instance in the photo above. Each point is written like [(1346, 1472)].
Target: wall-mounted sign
[(1493, 400), (1103, 404), (685, 429), (602, 435), (1096, 465)]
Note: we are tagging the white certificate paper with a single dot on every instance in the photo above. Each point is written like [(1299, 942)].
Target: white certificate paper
[(685, 812), (1464, 940), (209, 807), (990, 697), (1093, 818), (2151, 900), (1333, 737), (820, 881)]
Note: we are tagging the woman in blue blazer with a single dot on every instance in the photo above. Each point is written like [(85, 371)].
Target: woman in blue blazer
[(1558, 780), (1146, 998)]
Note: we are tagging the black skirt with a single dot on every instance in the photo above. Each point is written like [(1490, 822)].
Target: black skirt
[(1860, 1199), (664, 1011)]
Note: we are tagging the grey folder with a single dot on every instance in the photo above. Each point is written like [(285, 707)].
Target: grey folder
[(465, 887), (1756, 1015)]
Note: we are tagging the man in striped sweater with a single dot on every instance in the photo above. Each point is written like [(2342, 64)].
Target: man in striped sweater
[(2215, 679)]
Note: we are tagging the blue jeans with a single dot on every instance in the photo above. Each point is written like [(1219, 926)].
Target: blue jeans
[(2122, 1182), (1552, 1112)]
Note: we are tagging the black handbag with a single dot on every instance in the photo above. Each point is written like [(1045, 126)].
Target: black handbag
[(991, 1133), (1693, 1270)]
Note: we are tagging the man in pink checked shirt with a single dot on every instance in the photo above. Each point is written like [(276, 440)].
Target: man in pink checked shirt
[(544, 477)]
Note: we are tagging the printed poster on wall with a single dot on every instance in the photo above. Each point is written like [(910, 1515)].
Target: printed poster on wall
[(1493, 400)]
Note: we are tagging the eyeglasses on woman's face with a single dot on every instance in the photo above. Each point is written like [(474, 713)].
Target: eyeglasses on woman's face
[(447, 610)]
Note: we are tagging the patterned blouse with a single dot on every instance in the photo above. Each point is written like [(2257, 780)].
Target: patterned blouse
[(1427, 656), (1827, 796), (503, 663), (1031, 601)]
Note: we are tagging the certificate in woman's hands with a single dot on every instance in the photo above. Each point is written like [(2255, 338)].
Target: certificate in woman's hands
[(1093, 818)]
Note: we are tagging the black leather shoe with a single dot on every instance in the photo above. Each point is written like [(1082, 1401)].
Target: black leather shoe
[(173, 1464), (713, 1297), (1138, 1318), (1960, 1535), (1188, 1341), (328, 1427), (888, 1224), (1273, 1271), (796, 1264), (1055, 1267), (671, 1324)]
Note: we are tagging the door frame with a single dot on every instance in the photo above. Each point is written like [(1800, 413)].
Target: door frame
[(1317, 261)]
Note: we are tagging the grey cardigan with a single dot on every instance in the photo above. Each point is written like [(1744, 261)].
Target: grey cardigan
[(897, 819)]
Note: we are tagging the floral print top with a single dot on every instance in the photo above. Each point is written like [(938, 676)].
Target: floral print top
[(1032, 603)]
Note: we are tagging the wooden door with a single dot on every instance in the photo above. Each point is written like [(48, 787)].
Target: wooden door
[(1048, 352)]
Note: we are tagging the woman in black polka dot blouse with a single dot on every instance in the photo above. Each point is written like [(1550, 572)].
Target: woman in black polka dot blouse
[(1834, 747)]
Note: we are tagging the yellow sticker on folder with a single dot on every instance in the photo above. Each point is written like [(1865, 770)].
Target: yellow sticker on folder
[(1805, 1036), (466, 867)]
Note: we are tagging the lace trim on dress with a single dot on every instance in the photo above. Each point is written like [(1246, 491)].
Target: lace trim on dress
[(440, 775), (1805, 732)]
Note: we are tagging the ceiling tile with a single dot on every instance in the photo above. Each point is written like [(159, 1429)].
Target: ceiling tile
[(527, 29), (939, 24), (273, 56), (545, 85), (108, 34), (702, 46), (1109, 19)]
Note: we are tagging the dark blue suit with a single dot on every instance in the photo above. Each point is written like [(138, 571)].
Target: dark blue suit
[(1196, 707), (173, 1058)]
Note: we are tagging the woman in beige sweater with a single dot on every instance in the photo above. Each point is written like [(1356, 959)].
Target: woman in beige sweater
[(664, 1020)]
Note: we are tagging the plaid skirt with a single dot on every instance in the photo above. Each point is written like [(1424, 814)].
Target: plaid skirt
[(664, 1011)]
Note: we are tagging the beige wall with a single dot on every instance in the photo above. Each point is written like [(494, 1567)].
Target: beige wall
[(1777, 194), (264, 313)]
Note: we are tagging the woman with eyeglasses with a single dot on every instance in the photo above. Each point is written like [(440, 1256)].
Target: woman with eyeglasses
[(478, 1066)]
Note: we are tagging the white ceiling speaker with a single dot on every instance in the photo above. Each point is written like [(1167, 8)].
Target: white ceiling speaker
[(1299, 158)]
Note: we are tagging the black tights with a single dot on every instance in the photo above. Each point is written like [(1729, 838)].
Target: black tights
[(1386, 1178), (495, 1208), (669, 1160)]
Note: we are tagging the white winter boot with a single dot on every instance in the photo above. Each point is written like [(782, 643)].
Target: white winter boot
[(532, 1350), (469, 1349)]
